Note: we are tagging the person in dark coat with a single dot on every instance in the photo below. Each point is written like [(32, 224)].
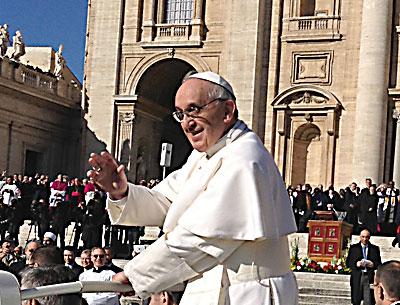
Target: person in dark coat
[(92, 222), (28, 189), (368, 203), (390, 208), (332, 201), (350, 205), (396, 240), (40, 207), (109, 257), (304, 207), (363, 259)]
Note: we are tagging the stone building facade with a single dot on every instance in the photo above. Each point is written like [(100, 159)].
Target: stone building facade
[(40, 116), (317, 80)]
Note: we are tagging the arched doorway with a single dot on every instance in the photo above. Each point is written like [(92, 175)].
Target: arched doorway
[(152, 123), (306, 128), (307, 151)]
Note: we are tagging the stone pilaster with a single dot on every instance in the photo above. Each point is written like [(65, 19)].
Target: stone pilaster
[(148, 20), (396, 164), (197, 22), (371, 107)]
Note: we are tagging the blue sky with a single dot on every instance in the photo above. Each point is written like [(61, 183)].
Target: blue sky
[(50, 23)]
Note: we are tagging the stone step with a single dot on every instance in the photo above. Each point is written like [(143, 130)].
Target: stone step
[(320, 288), (324, 302), (323, 285), (308, 303), (322, 277), (325, 291), (324, 299)]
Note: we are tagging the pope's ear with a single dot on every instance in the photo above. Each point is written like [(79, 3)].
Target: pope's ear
[(230, 107)]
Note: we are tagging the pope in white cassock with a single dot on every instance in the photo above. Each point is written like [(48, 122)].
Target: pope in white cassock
[(226, 213)]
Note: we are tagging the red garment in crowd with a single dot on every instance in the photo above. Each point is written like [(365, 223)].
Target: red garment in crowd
[(58, 185), (89, 187)]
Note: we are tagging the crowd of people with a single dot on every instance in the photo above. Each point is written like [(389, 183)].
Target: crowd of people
[(53, 206), (373, 207), (42, 263)]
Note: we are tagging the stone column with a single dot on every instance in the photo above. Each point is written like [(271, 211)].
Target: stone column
[(371, 107), (396, 164)]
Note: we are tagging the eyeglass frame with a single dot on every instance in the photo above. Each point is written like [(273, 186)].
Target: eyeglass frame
[(98, 256), (193, 110)]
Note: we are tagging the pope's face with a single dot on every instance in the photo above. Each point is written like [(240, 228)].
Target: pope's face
[(205, 128)]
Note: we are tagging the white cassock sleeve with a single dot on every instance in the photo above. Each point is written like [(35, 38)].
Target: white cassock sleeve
[(142, 207), (180, 257)]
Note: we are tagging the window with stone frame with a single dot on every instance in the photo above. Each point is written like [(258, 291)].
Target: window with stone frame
[(307, 20), (178, 11)]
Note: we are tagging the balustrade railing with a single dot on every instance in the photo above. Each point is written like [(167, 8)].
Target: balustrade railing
[(12, 294), (318, 27), (39, 80), (172, 30)]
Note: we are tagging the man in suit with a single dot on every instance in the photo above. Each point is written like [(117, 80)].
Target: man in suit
[(387, 284), (109, 264), (69, 260), (363, 259)]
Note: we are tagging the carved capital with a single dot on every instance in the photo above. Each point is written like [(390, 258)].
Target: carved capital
[(396, 114), (126, 117)]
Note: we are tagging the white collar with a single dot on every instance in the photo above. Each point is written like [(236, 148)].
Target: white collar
[(236, 131)]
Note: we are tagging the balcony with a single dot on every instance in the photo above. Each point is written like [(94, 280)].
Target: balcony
[(173, 35), (311, 28), (175, 31)]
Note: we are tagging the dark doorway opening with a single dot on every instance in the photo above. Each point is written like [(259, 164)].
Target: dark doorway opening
[(33, 162)]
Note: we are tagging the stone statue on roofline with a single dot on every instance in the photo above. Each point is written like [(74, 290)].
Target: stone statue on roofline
[(59, 63), (18, 46), (4, 39)]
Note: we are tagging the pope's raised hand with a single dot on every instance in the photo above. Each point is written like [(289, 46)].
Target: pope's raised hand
[(108, 175)]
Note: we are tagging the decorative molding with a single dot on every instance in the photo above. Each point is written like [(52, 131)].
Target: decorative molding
[(171, 52), (307, 98), (312, 67), (308, 117)]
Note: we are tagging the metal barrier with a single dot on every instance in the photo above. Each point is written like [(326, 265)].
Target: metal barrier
[(11, 293)]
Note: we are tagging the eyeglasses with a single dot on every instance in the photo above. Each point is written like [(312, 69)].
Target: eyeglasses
[(372, 286), (98, 255), (192, 111)]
